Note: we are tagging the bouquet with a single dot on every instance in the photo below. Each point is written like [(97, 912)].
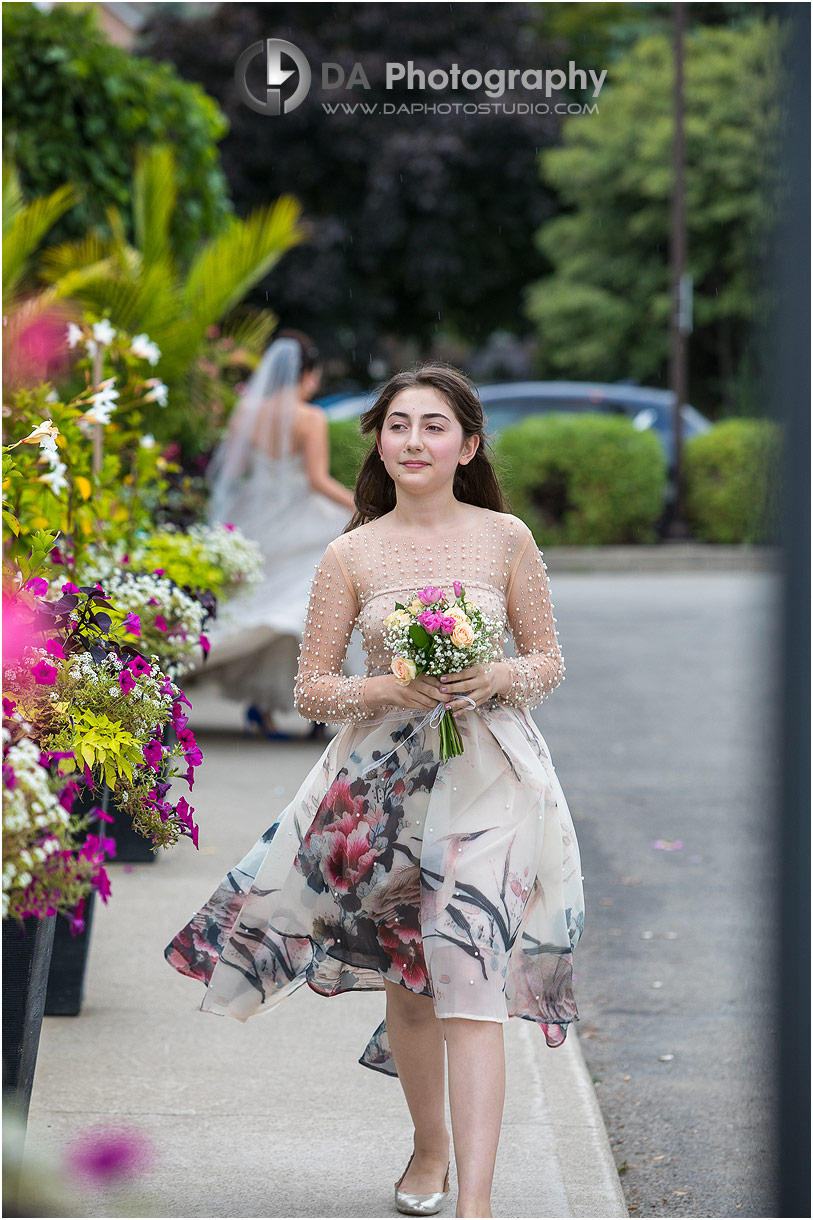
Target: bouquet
[(436, 635)]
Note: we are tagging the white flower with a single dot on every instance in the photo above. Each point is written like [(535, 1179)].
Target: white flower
[(103, 403), (56, 478), (52, 396), (74, 334), (147, 441), (43, 431), (158, 393), (92, 347), (104, 332), (144, 347)]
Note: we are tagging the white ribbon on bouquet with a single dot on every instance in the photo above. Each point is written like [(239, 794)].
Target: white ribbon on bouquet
[(432, 717)]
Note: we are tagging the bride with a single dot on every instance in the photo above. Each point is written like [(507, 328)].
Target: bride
[(269, 476)]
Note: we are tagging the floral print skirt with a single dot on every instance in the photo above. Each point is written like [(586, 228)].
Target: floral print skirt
[(460, 881)]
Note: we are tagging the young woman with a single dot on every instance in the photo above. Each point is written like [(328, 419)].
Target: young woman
[(270, 476), (455, 886)]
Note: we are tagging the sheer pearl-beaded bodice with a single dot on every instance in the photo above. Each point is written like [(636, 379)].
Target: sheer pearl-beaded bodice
[(364, 572)]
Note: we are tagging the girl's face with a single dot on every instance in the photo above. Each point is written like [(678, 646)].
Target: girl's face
[(421, 441)]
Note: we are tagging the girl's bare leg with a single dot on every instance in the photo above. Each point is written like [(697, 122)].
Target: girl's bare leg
[(416, 1039), (476, 1097)]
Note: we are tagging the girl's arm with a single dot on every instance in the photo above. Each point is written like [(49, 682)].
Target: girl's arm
[(321, 691), (316, 459), (538, 666)]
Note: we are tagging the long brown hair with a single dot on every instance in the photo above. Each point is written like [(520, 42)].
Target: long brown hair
[(474, 483)]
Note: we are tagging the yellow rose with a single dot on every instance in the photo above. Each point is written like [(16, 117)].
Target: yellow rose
[(416, 607), (463, 634), (398, 618), (404, 670)]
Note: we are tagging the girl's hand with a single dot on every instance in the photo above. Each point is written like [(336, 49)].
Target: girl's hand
[(480, 682)]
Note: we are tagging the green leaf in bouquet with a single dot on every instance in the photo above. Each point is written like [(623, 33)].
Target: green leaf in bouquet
[(420, 636)]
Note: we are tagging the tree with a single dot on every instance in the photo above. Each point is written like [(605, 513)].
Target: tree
[(77, 108), (603, 312), (421, 222)]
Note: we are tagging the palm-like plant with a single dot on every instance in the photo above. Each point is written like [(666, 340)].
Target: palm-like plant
[(139, 286)]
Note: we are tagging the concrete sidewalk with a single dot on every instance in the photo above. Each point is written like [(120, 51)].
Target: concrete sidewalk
[(275, 1117)]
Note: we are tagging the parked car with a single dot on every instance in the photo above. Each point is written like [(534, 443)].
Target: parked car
[(508, 402)]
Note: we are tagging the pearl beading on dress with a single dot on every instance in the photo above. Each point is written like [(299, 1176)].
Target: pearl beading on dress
[(364, 572)]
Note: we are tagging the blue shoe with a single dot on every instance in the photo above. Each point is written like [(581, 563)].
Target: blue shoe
[(255, 717)]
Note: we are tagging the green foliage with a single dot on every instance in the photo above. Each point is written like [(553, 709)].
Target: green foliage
[(76, 108), (603, 312), (184, 560), (103, 745), (583, 480), (732, 481), (348, 449)]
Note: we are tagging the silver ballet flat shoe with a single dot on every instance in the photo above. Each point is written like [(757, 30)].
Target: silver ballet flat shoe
[(420, 1205)]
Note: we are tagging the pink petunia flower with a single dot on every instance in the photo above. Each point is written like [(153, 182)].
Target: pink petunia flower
[(160, 622), (54, 649), (44, 674), (8, 706), (133, 623), (228, 525), (204, 643), (70, 587), (126, 681), (153, 753), (139, 666), (38, 586), (158, 571)]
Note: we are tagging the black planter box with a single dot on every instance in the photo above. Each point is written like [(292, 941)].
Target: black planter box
[(26, 958), (131, 847), (66, 977)]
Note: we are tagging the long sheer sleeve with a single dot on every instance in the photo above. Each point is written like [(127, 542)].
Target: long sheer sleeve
[(321, 691), (538, 666)]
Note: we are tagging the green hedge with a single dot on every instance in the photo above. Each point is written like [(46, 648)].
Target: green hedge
[(583, 479), (732, 481), (348, 449)]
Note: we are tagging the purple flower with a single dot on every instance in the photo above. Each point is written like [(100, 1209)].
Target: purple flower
[(153, 601), (447, 625), (183, 699), (8, 706), (44, 674), (159, 571), (430, 595), (38, 586), (69, 794), (9, 778), (204, 643), (228, 525), (56, 556), (133, 623), (54, 649), (430, 620), (77, 923), (458, 588), (139, 666), (153, 753), (160, 622), (101, 881), (98, 812), (125, 680), (70, 587)]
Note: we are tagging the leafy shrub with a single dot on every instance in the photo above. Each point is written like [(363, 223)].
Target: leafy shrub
[(732, 481), (583, 480), (348, 449)]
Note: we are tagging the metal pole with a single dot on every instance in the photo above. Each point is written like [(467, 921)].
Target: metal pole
[(679, 324)]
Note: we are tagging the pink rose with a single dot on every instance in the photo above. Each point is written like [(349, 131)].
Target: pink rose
[(429, 620), (447, 624), (431, 594), (458, 588)]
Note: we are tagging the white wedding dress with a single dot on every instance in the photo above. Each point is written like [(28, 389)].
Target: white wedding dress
[(256, 638)]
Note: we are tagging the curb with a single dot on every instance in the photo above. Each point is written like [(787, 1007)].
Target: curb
[(664, 557)]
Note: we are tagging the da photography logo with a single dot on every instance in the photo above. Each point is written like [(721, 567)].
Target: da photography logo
[(275, 75)]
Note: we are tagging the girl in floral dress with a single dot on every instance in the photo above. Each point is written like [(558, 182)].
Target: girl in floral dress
[(453, 886)]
